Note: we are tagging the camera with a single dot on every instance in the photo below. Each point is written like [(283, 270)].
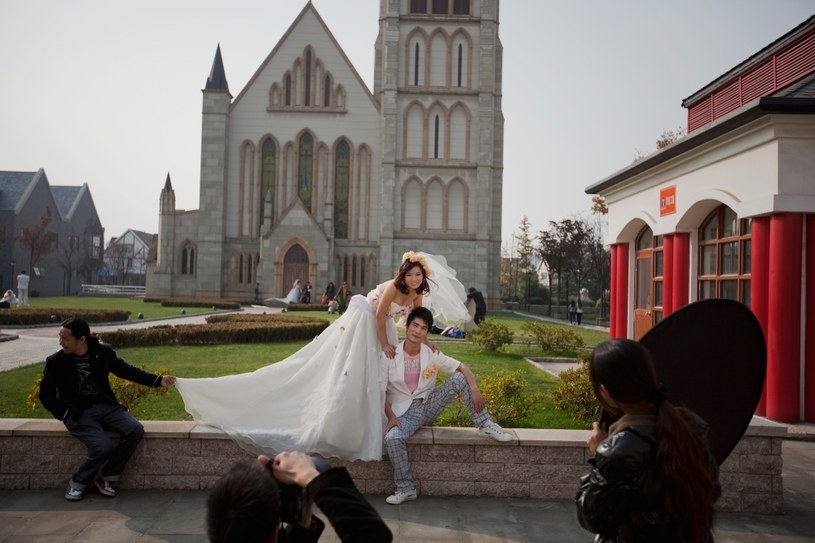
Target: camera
[(293, 502)]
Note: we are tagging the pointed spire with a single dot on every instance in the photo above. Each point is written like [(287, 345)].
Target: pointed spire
[(168, 185), (217, 76)]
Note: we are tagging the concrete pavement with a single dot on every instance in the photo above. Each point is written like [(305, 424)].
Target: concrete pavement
[(178, 516)]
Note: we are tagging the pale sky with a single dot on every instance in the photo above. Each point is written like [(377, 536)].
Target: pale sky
[(109, 92)]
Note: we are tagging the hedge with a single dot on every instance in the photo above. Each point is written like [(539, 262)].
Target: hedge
[(221, 329), (43, 315), (194, 302)]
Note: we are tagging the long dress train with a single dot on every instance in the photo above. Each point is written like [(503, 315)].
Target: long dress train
[(325, 398)]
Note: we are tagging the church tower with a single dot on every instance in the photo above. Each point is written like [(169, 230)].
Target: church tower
[(438, 79), (212, 198)]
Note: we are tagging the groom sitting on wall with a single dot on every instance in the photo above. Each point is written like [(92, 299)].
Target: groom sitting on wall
[(412, 399)]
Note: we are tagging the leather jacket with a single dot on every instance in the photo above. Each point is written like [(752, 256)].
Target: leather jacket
[(621, 500)]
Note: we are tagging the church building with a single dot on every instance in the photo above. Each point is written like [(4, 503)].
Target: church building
[(308, 174)]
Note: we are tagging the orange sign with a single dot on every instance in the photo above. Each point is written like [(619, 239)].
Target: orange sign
[(667, 201)]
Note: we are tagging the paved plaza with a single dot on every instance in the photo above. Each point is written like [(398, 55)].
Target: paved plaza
[(178, 516)]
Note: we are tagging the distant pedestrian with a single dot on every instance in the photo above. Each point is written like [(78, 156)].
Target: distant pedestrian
[(480, 304), (257, 293), (22, 287), (572, 312), (579, 312)]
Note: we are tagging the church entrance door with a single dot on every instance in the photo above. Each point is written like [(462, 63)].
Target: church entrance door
[(295, 266)]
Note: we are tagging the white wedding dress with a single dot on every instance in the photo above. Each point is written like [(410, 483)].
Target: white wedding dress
[(325, 398)]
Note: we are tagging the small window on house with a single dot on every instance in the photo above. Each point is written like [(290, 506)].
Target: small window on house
[(418, 6), (440, 7), (461, 7)]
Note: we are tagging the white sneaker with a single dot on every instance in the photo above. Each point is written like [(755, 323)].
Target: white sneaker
[(105, 488), (74, 495), (401, 496), (496, 432)]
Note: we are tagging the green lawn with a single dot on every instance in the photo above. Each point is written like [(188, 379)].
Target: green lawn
[(150, 310), (211, 361)]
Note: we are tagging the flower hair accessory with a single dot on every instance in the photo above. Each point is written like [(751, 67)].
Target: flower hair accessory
[(413, 257), (430, 371)]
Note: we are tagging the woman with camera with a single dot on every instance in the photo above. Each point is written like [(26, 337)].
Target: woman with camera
[(326, 397), (654, 478)]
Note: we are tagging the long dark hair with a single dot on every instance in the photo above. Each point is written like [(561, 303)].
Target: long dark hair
[(399, 277), (79, 328), (684, 463)]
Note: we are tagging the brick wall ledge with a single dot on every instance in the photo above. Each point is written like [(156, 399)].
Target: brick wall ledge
[(539, 464)]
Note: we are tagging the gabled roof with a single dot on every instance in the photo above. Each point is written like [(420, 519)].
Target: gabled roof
[(309, 7), (65, 198), (12, 187), (752, 61), (144, 236)]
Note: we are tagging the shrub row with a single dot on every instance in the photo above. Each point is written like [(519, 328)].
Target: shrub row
[(272, 318), (44, 315), (549, 338), (306, 307), (272, 330), (198, 302)]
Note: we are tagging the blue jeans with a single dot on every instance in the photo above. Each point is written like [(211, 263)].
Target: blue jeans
[(105, 458)]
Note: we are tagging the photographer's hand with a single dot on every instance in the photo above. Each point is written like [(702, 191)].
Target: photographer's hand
[(294, 468)]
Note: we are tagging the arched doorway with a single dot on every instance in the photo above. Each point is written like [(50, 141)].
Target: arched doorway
[(648, 280), (295, 266)]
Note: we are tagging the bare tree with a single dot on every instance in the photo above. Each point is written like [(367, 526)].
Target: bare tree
[(37, 240), (69, 260), (526, 252)]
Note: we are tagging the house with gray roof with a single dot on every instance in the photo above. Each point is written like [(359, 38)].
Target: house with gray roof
[(70, 234)]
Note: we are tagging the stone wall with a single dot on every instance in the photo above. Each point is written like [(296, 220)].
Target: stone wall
[(539, 464)]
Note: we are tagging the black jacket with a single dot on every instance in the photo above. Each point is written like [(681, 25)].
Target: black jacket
[(621, 498), (352, 517), (59, 389)]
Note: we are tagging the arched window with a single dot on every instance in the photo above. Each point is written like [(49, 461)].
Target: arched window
[(724, 256), (416, 66), (412, 205), (342, 179), (267, 177), (327, 91), (188, 260), (288, 89), (434, 206), (460, 62), (305, 170), (648, 281), (436, 138), (307, 100)]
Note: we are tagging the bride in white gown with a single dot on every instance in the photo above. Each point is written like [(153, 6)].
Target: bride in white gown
[(292, 297), (326, 398)]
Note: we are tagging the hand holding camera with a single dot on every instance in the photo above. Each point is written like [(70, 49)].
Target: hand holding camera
[(294, 471)]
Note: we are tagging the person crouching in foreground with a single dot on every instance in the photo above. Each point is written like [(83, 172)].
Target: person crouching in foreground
[(75, 388), (654, 477), (412, 399), (247, 505)]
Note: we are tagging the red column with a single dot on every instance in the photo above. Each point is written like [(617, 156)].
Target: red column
[(612, 294), (667, 275), (681, 269), (621, 284), (759, 283), (809, 325), (784, 317)]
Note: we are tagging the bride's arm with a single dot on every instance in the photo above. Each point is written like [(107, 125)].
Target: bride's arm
[(385, 300)]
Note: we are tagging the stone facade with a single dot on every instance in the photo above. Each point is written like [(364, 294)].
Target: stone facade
[(307, 174), (538, 464)]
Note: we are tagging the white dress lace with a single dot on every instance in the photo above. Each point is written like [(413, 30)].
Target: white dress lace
[(323, 399)]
